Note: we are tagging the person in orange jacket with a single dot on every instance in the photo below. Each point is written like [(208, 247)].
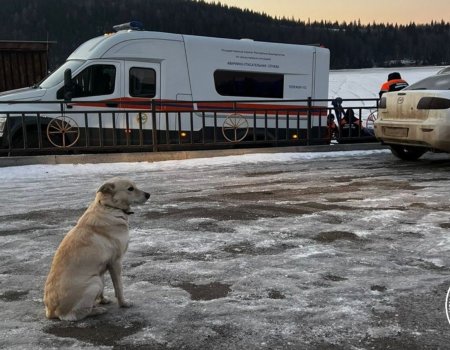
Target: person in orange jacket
[(394, 83)]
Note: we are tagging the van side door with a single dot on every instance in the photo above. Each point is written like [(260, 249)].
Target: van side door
[(142, 86), (96, 96)]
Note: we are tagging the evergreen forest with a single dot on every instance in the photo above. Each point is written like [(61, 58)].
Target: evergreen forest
[(353, 45)]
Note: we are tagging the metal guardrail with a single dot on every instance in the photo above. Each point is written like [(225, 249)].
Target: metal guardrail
[(83, 127)]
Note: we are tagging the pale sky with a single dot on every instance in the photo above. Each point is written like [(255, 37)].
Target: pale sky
[(380, 11)]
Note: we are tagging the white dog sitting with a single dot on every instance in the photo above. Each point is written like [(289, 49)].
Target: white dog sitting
[(74, 286)]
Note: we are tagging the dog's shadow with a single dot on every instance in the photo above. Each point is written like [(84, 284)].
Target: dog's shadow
[(98, 331)]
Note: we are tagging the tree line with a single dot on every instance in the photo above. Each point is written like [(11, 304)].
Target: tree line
[(352, 45)]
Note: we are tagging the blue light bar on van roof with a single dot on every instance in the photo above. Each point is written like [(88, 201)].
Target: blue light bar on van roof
[(133, 25)]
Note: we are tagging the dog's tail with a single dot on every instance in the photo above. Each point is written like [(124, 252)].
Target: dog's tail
[(49, 313), (50, 307)]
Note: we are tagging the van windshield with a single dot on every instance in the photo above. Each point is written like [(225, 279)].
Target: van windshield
[(58, 75)]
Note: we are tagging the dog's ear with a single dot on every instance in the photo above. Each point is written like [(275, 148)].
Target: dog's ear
[(107, 188)]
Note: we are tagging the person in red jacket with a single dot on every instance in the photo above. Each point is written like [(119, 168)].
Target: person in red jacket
[(394, 83)]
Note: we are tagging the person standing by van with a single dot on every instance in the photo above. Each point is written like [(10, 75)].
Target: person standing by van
[(394, 83)]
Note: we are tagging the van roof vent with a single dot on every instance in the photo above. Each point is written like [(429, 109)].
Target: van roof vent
[(133, 25)]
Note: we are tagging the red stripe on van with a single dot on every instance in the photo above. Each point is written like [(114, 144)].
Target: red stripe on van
[(187, 106)]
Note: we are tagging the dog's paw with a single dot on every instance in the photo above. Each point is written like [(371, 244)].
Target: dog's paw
[(104, 301), (98, 311), (125, 304)]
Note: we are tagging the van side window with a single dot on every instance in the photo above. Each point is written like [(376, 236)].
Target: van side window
[(142, 82), (95, 80), (249, 84)]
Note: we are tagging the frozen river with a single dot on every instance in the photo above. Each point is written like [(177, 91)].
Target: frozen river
[(345, 250)]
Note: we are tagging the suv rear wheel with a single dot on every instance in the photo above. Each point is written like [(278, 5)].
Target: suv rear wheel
[(407, 152)]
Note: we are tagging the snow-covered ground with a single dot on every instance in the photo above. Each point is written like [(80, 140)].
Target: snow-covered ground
[(366, 83), (339, 250)]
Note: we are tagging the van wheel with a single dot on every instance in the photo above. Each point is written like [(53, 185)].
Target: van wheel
[(235, 128), (18, 142), (63, 132), (407, 152)]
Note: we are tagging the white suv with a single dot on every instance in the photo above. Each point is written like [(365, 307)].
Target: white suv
[(417, 119)]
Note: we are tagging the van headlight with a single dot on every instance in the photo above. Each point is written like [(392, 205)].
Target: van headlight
[(2, 123)]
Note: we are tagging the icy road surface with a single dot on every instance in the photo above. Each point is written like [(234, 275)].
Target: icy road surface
[(344, 250)]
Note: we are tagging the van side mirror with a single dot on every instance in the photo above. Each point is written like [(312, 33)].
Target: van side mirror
[(68, 86)]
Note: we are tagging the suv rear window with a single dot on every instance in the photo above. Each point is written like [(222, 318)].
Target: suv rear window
[(435, 82)]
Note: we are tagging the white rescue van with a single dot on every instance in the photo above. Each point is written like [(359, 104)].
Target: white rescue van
[(117, 72)]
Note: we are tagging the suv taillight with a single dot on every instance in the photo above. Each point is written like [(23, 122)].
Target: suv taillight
[(433, 103)]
